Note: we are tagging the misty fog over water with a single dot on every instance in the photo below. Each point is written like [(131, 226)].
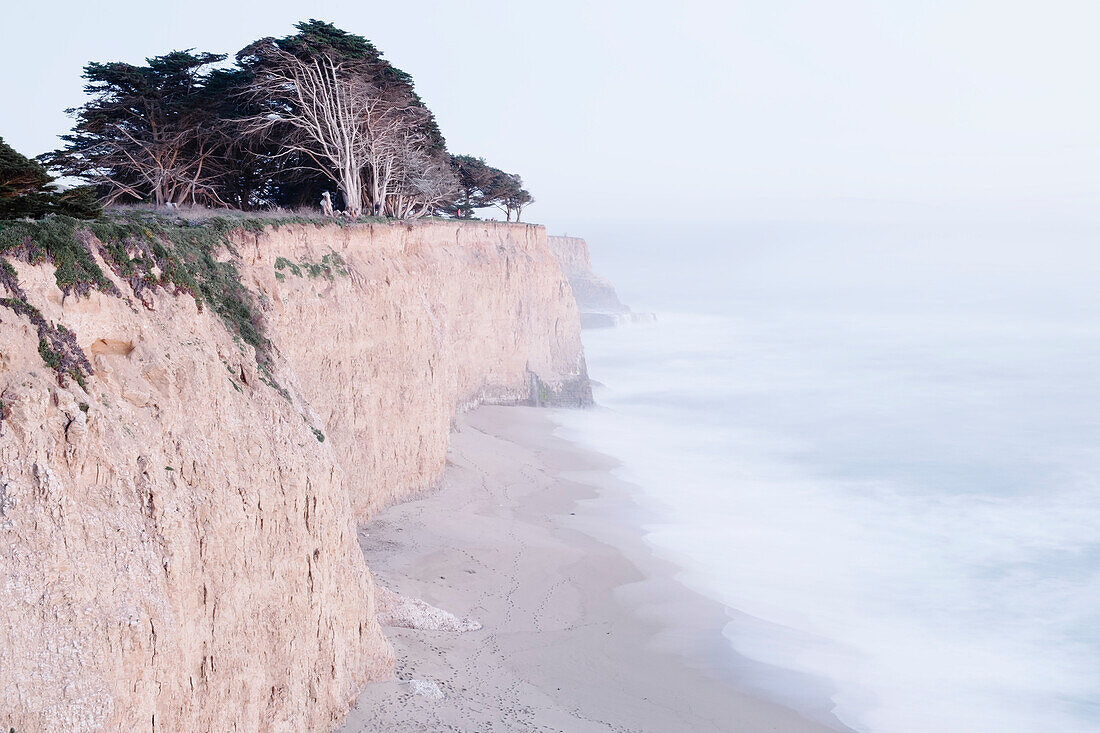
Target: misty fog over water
[(881, 442)]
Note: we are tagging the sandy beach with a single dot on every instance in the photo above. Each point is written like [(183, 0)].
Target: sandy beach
[(581, 628)]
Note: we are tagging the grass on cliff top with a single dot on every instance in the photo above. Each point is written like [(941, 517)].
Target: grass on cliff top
[(196, 215), (147, 250), (248, 220)]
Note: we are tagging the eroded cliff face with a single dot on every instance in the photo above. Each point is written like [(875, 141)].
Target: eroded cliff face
[(178, 537), (596, 298), (429, 318)]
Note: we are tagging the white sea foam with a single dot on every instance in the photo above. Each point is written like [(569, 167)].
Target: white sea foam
[(896, 479), (426, 688)]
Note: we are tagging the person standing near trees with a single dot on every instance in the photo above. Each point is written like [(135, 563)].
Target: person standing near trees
[(326, 205)]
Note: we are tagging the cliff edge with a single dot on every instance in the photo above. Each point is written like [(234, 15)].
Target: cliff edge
[(179, 495)]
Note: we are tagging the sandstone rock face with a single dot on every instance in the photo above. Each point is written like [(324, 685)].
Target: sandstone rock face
[(596, 298), (177, 544), (430, 318)]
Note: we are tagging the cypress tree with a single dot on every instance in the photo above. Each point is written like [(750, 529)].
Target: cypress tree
[(28, 191)]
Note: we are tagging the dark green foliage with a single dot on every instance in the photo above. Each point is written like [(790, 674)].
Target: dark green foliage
[(56, 344), (9, 278), (28, 191), (329, 267), (51, 358), (80, 202), (21, 307), (176, 130), (298, 178), (482, 186), (148, 132), (282, 263), (187, 259), (475, 179), (55, 239), (256, 171), (319, 435), (19, 175), (515, 198), (316, 37)]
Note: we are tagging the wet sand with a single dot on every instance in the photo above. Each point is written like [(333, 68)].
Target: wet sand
[(582, 629)]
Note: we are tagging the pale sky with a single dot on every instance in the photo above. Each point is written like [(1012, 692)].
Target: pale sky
[(674, 110)]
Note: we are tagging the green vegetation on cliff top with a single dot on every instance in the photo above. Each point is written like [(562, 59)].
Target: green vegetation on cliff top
[(145, 249)]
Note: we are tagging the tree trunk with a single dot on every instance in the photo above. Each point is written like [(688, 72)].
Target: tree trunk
[(352, 188)]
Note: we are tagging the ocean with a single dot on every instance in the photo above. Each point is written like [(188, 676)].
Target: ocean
[(879, 446)]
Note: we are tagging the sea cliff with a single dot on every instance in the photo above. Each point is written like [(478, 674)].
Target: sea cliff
[(178, 524), (596, 298)]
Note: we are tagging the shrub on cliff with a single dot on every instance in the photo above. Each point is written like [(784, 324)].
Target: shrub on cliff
[(145, 251), (28, 191)]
